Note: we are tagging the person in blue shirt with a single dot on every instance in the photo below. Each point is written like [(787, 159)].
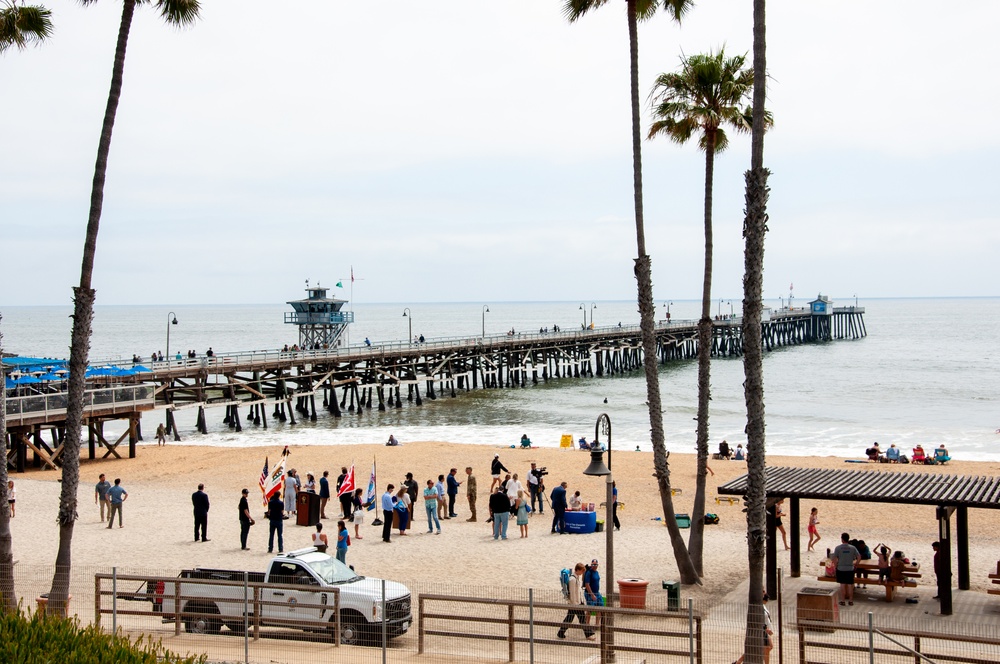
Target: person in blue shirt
[(388, 505), (116, 496), (343, 541), (592, 589)]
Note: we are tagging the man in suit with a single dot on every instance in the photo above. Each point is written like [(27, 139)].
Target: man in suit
[(200, 501), (245, 519), (558, 500), (275, 517)]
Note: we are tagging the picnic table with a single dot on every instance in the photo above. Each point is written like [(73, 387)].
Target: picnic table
[(866, 574)]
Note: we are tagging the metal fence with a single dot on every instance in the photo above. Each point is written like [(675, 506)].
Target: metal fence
[(460, 623)]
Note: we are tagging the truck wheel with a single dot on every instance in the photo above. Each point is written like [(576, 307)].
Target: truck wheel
[(352, 630), (205, 620)]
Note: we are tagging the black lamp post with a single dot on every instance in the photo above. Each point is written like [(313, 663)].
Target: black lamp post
[(486, 310), (409, 315), (171, 320), (598, 469), (584, 310)]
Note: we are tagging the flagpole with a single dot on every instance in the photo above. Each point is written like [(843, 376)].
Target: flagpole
[(377, 521)]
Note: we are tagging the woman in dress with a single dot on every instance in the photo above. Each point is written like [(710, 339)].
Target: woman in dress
[(522, 513), (291, 489), (358, 517), (403, 510)]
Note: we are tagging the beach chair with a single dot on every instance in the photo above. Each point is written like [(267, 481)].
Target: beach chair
[(941, 455), (584, 445), (918, 455)]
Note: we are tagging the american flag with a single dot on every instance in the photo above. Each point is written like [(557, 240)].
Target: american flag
[(272, 483), (263, 477)]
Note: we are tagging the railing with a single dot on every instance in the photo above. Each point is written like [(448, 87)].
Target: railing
[(119, 398), (319, 318)]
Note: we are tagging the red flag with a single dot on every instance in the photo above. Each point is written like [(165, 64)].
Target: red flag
[(348, 486)]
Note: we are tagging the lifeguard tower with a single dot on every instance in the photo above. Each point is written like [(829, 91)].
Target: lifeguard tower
[(821, 313), (320, 319)]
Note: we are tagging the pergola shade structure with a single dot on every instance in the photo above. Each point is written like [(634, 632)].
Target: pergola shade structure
[(948, 493)]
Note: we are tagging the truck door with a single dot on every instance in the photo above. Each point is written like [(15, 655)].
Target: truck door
[(288, 604)]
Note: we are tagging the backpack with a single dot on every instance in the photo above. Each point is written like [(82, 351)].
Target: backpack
[(564, 581), (711, 518)]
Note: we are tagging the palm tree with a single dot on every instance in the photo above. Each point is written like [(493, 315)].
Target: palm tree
[(636, 10), (23, 25), (754, 228), (704, 96), (20, 26), (175, 12)]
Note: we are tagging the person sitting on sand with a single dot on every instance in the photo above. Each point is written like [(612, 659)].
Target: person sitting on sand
[(584, 445), (525, 441), (739, 453), (392, 441), (725, 452), (892, 454), (941, 454), (873, 453)]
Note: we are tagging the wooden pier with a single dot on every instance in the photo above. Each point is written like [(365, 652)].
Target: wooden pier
[(250, 386)]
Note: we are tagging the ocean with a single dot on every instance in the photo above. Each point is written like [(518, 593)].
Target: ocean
[(928, 372)]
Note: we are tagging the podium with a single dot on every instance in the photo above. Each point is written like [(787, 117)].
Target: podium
[(306, 509)]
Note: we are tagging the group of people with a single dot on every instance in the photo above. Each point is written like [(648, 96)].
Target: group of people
[(727, 453), (110, 497), (439, 499), (893, 455)]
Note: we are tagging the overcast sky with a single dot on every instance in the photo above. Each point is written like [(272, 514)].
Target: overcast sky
[(464, 150)]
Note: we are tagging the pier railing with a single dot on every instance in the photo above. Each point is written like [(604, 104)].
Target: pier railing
[(42, 407)]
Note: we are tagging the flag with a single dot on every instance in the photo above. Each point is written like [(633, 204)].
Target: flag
[(273, 482), (370, 493), (347, 488), (340, 284)]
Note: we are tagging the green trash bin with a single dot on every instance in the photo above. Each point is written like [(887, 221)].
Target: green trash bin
[(673, 589)]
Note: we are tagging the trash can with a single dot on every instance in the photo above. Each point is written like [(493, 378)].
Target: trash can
[(817, 604), (43, 602), (632, 593), (306, 509), (673, 589)]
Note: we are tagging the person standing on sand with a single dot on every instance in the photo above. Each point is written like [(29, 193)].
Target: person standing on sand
[(291, 488), (521, 505), (343, 541), (245, 519), (442, 492), (161, 435), (813, 530), (275, 518), (387, 511), (345, 499), (116, 496), (199, 499), (847, 558), (536, 488), (499, 513), (432, 502), (101, 494), (453, 485), (11, 497), (779, 511), (324, 493), (470, 492), (359, 512), (558, 501)]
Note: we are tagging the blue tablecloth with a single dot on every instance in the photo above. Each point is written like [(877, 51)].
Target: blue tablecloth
[(581, 522)]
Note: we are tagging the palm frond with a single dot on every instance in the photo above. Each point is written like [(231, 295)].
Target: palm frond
[(23, 26), (179, 12), (574, 9)]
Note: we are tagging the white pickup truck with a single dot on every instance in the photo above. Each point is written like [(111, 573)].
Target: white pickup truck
[(299, 591)]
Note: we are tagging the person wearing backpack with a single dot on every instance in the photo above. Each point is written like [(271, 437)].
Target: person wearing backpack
[(592, 589), (576, 600)]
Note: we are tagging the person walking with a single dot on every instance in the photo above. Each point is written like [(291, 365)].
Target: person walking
[(245, 519), (199, 499), (558, 501), (576, 600), (813, 530), (432, 500), (500, 513), (453, 485), (101, 495), (592, 589), (470, 492), (614, 505), (847, 558), (276, 521), (161, 435), (117, 495), (388, 505), (496, 468)]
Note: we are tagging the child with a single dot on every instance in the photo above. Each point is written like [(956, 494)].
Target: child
[(813, 532), (882, 557), (343, 541), (896, 566), (11, 496)]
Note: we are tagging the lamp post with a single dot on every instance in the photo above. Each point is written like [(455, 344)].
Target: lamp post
[(668, 311), (171, 320), (732, 312), (584, 310), (782, 300), (592, 307), (598, 469), (407, 314), (720, 308), (855, 300), (486, 310)]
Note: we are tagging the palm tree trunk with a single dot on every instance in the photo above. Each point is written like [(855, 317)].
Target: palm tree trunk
[(697, 538), (83, 313), (8, 600), (754, 228), (647, 324)]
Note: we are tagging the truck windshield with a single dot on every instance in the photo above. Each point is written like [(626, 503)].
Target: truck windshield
[(332, 571)]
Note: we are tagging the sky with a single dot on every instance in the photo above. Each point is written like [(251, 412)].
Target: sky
[(464, 150)]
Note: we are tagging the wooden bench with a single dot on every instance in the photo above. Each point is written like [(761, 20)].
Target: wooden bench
[(729, 500), (890, 586), (996, 579)]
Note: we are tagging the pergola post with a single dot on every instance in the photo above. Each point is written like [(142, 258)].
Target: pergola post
[(962, 524), (943, 568), (796, 544), (771, 553)]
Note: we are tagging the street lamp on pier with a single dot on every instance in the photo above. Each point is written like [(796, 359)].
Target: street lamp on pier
[(592, 307), (486, 310), (409, 315), (720, 308), (732, 311), (668, 310), (855, 300), (583, 308), (598, 469), (171, 320)]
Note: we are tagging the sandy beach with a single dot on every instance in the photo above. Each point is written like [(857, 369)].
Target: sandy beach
[(158, 532)]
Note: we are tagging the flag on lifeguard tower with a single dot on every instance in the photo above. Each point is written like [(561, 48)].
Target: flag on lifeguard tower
[(347, 487)]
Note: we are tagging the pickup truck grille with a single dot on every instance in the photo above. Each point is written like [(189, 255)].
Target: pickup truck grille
[(398, 609)]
